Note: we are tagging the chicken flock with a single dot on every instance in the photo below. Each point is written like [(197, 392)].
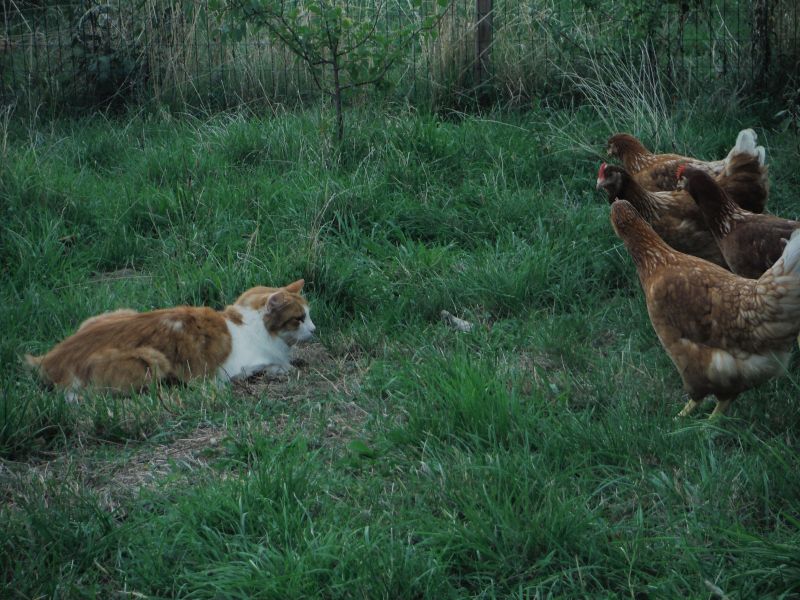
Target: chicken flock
[(721, 278)]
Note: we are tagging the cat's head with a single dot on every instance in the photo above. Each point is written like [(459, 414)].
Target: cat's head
[(285, 312)]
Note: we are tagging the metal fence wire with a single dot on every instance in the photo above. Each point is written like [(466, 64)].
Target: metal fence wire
[(84, 55)]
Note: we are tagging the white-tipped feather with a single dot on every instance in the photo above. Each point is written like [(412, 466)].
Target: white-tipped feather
[(745, 142), (761, 152)]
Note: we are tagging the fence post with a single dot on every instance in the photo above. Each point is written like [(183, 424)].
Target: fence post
[(483, 43), (761, 43)]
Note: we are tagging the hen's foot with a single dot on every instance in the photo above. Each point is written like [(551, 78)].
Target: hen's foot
[(688, 409)]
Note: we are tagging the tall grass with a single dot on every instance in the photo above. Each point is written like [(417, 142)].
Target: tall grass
[(179, 55), (629, 92)]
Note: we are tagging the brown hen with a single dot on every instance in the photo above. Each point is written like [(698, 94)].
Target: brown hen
[(724, 333), (750, 243), (656, 172), (675, 216)]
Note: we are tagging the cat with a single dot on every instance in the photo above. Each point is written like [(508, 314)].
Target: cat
[(125, 350)]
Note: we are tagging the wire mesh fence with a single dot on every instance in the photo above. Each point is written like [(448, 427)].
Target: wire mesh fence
[(87, 54)]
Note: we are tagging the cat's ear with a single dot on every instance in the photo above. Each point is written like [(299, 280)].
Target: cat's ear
[(295, 286), (275, 301)]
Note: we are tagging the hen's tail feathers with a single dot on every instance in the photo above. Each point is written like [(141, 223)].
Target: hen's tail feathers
[(761, 152), (778, 290), (789, 262), (745, 181), (33, 362), (779, 287), (746, 144)]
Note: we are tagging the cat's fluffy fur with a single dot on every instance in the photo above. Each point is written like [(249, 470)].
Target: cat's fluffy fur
[(126, 350)]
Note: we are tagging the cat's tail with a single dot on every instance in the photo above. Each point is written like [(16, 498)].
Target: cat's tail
[(33, 362)]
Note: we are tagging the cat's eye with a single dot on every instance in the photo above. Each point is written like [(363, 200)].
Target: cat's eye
[(300, 319)]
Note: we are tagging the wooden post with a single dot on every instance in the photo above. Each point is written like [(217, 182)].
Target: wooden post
[(483, 44), (761, 44)]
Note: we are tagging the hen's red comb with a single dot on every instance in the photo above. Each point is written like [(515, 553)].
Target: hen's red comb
[(601, 174), (681, 169)]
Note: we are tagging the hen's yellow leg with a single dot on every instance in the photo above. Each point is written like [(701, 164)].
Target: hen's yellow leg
[(720, 408), (689, 408)]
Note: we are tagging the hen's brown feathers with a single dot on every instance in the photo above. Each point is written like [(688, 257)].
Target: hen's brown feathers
[(673, 215), (750, 243), (644, 245), (745, 181), (724, 333), (654, 172)]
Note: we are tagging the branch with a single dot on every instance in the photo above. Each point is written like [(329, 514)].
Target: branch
[(374, 80), (367, 36), (386, 66), (332, 46), (300, 48), (390, 62), (283, 30)]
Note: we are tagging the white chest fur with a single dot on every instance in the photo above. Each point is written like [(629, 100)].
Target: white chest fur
[(253, 349)]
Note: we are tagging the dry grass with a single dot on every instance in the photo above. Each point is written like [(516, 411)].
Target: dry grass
[(112, 476), (627, 93)]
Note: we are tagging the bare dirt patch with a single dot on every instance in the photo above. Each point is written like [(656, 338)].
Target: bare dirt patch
[(315, 399), (114, 473)]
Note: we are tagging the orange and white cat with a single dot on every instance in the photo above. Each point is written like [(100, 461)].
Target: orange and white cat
[(126, 350)]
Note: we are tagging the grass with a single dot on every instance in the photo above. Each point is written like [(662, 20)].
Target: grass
[(536, 456)]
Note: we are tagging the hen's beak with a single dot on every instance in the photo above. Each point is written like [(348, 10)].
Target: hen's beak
[(600, 182)]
